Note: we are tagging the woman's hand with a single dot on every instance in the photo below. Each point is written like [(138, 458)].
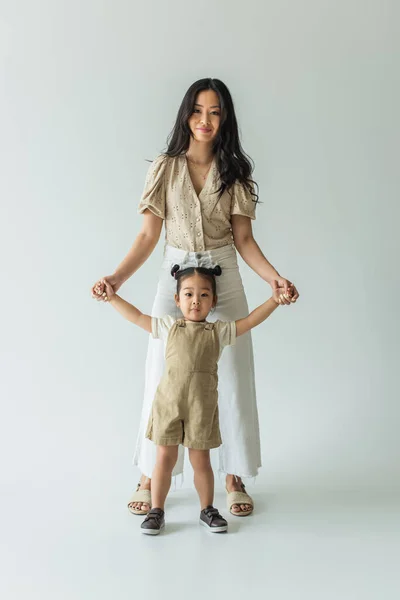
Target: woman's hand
[(284, 291), (99, 289), (109, 291)]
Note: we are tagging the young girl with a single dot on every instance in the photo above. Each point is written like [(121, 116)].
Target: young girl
[(185, 409), (202, 189)]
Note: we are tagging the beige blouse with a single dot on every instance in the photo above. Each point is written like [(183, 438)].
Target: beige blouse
[(193, 223)]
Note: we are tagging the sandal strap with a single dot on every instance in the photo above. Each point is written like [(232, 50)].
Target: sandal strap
[(238, 498), (143, 496)]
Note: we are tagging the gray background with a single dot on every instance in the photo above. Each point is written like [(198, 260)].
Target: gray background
[(88, 91)]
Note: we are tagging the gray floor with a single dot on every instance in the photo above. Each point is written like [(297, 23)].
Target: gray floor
[(81, 543)]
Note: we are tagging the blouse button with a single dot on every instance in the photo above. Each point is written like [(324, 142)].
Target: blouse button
[(198, 219), (199, 234)]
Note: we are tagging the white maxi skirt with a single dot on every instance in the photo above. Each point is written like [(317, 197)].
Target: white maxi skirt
[(240, 451)]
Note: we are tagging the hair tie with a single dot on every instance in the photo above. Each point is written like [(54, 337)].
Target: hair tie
[(217, 271), (174, 271)]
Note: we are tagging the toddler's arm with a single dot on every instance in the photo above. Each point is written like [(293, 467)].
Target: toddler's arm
[(127, 310), (257, 316)]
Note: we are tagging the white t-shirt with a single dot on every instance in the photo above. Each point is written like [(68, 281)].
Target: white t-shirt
[(226, 330)]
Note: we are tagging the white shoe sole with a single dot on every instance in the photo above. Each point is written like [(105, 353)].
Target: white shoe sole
[(214, 529), (152, 531)]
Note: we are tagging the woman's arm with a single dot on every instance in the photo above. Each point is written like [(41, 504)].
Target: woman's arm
[(251, 253), (142, 247), (249, 250), (257, 316), (130, 312)]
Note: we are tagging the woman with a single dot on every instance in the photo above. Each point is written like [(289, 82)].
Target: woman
[(202, 188)]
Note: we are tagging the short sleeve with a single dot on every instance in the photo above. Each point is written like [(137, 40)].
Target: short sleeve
[(242, 202), (226, 333), (160, 327), (153, 196)]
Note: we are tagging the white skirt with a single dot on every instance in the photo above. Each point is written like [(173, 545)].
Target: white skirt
[(240, 451)]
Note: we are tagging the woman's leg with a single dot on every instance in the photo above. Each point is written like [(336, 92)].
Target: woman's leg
[(240, 454), (145, 452), (162, 474), (234, 483), (144, 484), (203, 476)]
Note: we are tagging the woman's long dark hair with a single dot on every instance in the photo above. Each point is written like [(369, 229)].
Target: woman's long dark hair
[(232, 162)]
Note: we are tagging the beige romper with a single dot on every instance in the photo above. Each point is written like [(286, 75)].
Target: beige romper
[(185, 407)]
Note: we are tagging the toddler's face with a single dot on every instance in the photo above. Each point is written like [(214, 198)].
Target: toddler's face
[(195, 298)]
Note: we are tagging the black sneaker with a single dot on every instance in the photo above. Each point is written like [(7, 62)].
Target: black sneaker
[(210, 518), (153, 522)]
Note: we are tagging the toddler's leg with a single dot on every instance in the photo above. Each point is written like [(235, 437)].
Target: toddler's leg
[(204, 482), (203, 476), (161, 478), (160, 484)]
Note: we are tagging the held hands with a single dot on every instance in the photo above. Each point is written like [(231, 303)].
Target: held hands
[(99, 291), (108, 292), (283, 291)]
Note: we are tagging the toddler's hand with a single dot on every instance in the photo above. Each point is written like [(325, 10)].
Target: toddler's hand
[(98, 290), (283, 299)]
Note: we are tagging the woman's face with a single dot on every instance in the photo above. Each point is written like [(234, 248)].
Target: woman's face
[(206, 116)]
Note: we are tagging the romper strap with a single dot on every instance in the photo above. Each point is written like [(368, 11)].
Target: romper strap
[(181, 323), (209, 326)]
